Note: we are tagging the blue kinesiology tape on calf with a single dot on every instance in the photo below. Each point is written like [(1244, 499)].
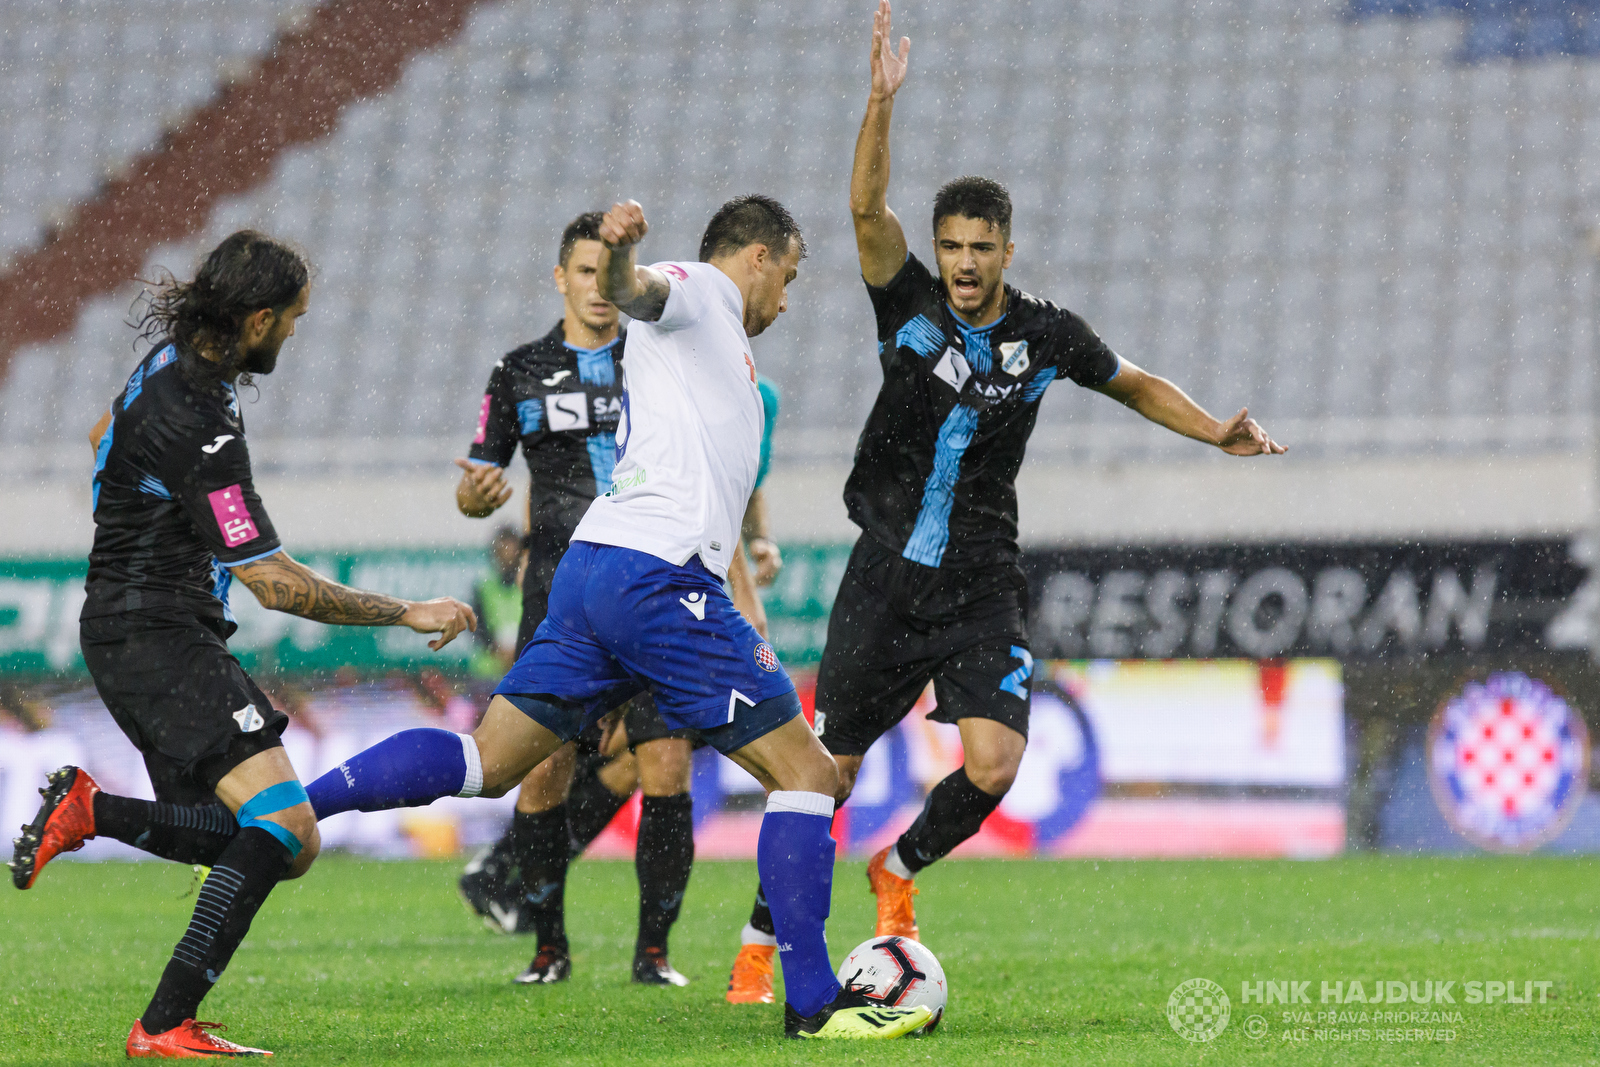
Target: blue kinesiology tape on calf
[(274, 798)]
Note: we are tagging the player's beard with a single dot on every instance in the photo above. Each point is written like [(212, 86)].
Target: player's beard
[(260, 359)]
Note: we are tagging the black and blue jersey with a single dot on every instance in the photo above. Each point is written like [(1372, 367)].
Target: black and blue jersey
[(174, 502), (936, 465), (561, 404)]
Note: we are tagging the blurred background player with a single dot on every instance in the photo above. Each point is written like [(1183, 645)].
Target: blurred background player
[(932, 591), (177, 518), (560, 398), (497, 601)]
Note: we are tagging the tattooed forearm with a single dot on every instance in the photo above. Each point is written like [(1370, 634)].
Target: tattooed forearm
[(282, 584)]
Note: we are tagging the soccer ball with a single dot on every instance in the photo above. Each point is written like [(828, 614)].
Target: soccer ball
[(898, 972)]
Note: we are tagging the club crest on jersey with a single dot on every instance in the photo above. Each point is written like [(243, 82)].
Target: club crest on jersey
[(249, 719), (952, 369), (766, 659), (1014, 357)]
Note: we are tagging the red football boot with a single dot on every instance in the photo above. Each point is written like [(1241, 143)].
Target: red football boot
[(65, 821), (186, 1041)]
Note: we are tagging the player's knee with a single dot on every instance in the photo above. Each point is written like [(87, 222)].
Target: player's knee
[(993, 772), (847, 768), (664, 766), (310, 848)]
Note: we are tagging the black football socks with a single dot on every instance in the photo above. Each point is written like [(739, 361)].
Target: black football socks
[(761, 915), (590, 805), (954, 811), (172, 831), (234, 891), (540, 843), (663, 859)]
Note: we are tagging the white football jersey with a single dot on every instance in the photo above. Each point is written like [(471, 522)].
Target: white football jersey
[(689, 440)]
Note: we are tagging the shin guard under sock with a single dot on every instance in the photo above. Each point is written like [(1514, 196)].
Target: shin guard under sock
[(408, 770), (794, 856), (234, 891), (178, 832), (541, 849), (663, 860), (954, 811), (590, 805)]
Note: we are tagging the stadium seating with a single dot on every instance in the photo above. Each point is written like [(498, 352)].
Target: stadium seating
[(85, 85), (1376, 246)]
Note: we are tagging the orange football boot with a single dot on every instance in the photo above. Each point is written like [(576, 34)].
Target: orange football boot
[(751, 981), (65, 821), (896, 916), (186, 1041)]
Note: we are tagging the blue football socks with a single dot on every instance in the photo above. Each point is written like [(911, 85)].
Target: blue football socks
[(795, 859), (408, 770)]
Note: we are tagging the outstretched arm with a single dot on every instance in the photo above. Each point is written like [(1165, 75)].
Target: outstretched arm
[(1165, 404), (284, 584), (880, 240), (638, 291)]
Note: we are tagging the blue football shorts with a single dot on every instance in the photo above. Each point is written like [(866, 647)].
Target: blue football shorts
[(621, 622)]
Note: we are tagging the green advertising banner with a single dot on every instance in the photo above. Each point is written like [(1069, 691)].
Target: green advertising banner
[(40, 599)]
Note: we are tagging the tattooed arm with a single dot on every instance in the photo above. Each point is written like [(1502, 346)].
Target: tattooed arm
[(283, 584), (640, 291)]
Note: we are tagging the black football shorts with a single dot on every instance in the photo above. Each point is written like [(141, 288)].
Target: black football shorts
[(181, 697), (896, 625)]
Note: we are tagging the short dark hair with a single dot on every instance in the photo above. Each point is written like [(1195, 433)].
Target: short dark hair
[(247, 272), (585, 227), (974, 198), (750, 220)]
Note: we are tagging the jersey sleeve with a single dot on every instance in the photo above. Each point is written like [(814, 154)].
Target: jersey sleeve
[(898, 301), (1083, 358), (686, 297), (209, 475), (769, 407), (498, 433)]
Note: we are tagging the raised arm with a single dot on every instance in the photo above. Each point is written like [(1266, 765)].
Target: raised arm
[(638, 291), (284, 584), (1165, 404), (880, 240)]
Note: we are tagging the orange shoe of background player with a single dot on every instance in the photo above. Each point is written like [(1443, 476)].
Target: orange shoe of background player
[(65, 821), (186, 1041), (751, 981), (896, 916)]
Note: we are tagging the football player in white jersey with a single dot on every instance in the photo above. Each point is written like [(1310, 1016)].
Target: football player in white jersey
[(638, 602)]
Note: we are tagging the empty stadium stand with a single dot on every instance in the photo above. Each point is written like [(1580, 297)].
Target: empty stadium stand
[(1380, 248)]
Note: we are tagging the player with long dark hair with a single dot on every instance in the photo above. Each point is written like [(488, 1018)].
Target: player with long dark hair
[(932, 591), (177, 519)]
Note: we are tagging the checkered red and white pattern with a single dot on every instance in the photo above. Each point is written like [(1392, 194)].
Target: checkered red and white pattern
[(1508, 761)]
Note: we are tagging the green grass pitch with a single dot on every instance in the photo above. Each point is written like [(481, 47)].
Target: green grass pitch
[(1071, 962)]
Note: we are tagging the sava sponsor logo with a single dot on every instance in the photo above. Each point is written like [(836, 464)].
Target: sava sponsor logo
[(567, 411)]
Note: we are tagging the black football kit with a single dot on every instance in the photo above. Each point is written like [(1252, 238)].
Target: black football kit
[(932, 589), (561, 404), (174, 509)]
